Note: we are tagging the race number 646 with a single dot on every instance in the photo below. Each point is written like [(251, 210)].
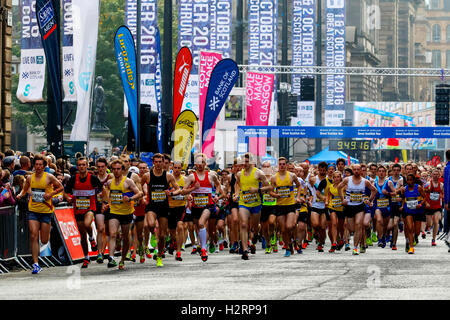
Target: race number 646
[(335, 4)]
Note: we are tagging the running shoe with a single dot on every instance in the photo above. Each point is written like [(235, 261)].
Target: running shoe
[(269, 250), (147, 253), (85, 263), (155, 254), (36, 269), (128, 256), (299, 251), (178, 257), (93, 245), (380, 242), (252, 249), (411, 250), (112, 263), (225, 244), (394, 247), (244, 255), (240, 250), (333, 248), (369, 241), (363, 249), (416, 240), (216, 249), (275, 248), (355, 252), (153, 242), (142, 259), (291, 247), (273, 240), (340, 245), (204, 256), (287, 253), (263, 243), (407, 247), (400, 227), (433, 243), (305, 245), (281, 241), (319, 248), (183, 248), (424, 236), (374, 237), (121, 265), (159, 262), (383, 243), (221, 247), (347, 247), (100, 258), (194, 250), (133, 257)]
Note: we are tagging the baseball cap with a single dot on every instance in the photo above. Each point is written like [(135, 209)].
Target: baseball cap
[(134, 169)]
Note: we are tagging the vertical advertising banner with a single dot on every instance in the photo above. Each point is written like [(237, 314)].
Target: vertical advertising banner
[(32, 57), (183, 67), (85, 23), (193, 32), (335, 57), (185, 130), (208, 61), (220, 27), (149, 24), (158, 91), (67, 52), (258, 101)]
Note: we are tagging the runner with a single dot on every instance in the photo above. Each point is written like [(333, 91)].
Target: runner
[(268, 212), (382, 215), (143, 169), (82, 188), (354, 207), (200, 184), (434, 194), (43, 187), (233, 207), (302, 213), (333, 203), (396, 204), (121, 209), (283, 183), (248, 190)]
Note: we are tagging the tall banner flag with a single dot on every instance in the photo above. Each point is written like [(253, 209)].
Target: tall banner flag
[(258, 100), (158, 90), (85, 32), (193, 32), (126, 60), (223, 78), (262, 40), (185, 130), (208, 61), (183, 66), (48, 27), (32, 57), (148, 61), (303, 43), (220, 27), (67, 50), (335, 56)]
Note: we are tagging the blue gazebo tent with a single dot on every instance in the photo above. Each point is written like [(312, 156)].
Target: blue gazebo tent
[(330, 157)]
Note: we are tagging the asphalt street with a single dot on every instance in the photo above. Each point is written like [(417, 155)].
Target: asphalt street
[(378, 274)]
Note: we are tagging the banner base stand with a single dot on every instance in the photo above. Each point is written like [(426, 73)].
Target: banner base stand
[(3, 268), (24, 261), (55, 260), (48, 261)]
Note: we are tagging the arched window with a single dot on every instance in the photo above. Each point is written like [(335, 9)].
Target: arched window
[(447, 33), (436, 33)]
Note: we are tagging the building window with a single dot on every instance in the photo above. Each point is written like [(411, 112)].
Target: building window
[(447, 5), (436, 58), (436, 33), (434, 4), (447, 59), (233, 108)]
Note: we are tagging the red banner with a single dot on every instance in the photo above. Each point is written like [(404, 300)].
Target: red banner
[(69, 232), (182, 71)]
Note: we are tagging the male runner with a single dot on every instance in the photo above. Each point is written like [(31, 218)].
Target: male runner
[(396, 204), (434, 193), (382, 215), (233, 207), (268, 212)]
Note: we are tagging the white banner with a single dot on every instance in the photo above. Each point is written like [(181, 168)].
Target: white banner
[(85, 31), (32, 57), (67, 50), (305, 114)]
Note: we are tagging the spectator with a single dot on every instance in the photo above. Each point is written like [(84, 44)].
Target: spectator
[(6, 196), (447, 194), (9, 153), (25, 165)]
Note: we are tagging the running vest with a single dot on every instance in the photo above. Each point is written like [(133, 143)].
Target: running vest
[(180, 200), (38, 189), (286, 191), (103, 182), (202, 197), (268, 200), (116, 203), (317, 203), (84, 194), (412, 199), (335, 203), (355, 192), (434, 196), (303, 193), (246, 198), (156, 195), (382, 201), (397, 200)]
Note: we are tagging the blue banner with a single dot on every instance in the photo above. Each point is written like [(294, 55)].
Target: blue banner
[(335, 57), (223, 78), (220, 27), (158, 90), (126, 60), (49, 29), (303, 38), (382, 113)]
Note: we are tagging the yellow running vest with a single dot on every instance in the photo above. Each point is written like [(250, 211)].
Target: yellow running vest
[(286, 191), (304, 194), (38, 189), (335, 203), (116, 203), (246, 198), (180, 200)]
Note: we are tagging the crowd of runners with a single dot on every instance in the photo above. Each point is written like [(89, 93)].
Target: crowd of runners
[(290, 207)]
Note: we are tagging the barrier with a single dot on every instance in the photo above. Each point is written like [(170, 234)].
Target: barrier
[(8, 240)]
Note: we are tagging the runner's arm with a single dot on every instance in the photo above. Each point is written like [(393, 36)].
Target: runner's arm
[(25, 189), (129, 184), (373, 191), (174, 184)]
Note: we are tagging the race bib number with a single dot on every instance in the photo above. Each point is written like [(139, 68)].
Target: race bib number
[(412, 204), (356, 197), (82, 203), (37, 195), (434, 196), (284, 192), (268, 198), (336, 202), (248, 197), (382, 203), (116, 197), (201, 200), (158, 196)]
